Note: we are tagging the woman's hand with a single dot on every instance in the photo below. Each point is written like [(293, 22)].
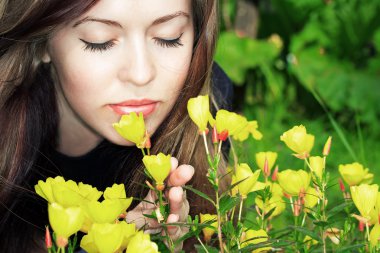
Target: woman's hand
[(179, 206)]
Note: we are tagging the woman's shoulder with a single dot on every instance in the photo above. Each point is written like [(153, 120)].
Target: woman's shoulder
[(222, 87)]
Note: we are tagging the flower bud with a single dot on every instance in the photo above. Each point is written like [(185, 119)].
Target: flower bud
[(48, 242), (326, 148)]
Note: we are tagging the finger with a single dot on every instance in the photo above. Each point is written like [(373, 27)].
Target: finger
[(181, 175), (178, 203), (172, 218), (174, 163)]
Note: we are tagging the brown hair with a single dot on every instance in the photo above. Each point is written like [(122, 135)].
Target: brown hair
[(28, 107)]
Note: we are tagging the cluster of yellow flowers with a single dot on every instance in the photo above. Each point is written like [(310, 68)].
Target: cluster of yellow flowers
[(365, 196), (225, 123), (76, 207)]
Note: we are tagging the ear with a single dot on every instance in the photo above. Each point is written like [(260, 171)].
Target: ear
[(46, 57)]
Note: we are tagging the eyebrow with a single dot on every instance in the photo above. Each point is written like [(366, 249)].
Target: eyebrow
[(170, 17), (160, 20), (100, 20)]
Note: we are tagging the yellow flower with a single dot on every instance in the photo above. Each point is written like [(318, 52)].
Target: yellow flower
[(229, 123), (106, 211), (158, 167), (244, 172), (129, 230), (64, 221), (353, 174), (375, 213), (209, 231), (298, 140), (66, 193), (293, 182), (311, 198), (199, 111), (275, 201), (269, 156), (250, 128), (374, 236), (132, 128), (364, 197), (317, 166), (117, 191), (141, 242), (103, 238), (255, 237)]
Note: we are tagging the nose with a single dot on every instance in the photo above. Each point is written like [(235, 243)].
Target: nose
[(138, 65)]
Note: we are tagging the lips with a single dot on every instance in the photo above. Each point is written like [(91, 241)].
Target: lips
[(145, 106)]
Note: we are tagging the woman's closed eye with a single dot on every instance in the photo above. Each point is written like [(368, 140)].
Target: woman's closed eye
[(93, 47), (169, 43)]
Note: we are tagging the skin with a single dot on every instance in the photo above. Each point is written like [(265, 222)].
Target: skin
[(122, 50)]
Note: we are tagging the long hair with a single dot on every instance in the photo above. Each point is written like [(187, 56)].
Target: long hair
[(29, 114)]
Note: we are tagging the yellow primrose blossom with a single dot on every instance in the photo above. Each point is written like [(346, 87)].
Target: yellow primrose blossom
[(255, 237), (117, 191), (250, 128), (132, 128), (199, 111), (141, 242), (317, 166), (294, 181), (209, 231), (374, 236), (66, 193), (298, 140), (103, 238), (244, 172), (269, 156), (158, 167), (275, 201), (64, 221), (375, 213), (129, 230), (364, 197), (106, 211), (311, 198), (229, 123), (353, 173)]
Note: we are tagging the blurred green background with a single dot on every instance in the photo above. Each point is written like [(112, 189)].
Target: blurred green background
[(310, 62)]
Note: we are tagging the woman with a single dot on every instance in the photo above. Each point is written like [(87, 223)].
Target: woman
[(69, 69)]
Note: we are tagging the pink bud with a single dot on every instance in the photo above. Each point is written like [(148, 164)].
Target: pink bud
[(48, 241), (214, 135), (148, 144), (266, 168), (326, 148), (341, 185), (361, 226), (274, 174)]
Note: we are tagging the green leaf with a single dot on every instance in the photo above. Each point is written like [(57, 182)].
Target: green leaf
[(227, 203), (210, 249), (336, 209), (199, 193), (307, 232), (350, 247)]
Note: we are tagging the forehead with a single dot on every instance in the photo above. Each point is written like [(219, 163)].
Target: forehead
[(133, 12)]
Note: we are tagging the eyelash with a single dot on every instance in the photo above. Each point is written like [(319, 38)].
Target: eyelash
[(93, 47), (169, 43)]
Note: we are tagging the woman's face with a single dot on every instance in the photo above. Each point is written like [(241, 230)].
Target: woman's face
[(119, 57)]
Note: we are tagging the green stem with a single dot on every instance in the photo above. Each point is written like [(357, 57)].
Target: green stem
[(219, 223), (205, 142), (240, 209), (143, 151), (204, 247)]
